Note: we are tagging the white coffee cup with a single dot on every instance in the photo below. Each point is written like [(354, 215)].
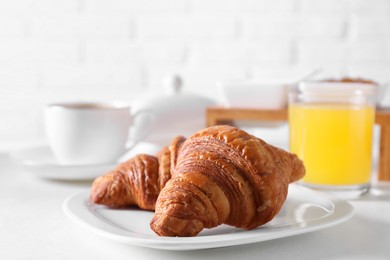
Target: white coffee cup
[(89, 133)]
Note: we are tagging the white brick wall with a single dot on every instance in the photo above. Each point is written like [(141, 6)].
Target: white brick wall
[(135, 7), (93, 49), (80, 26)]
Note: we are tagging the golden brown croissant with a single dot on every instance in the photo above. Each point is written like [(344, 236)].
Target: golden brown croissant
[(219, 175), (224, 175), (137, 181)]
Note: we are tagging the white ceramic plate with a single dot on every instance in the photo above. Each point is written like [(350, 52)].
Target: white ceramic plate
[(39, 160), (304, 211)]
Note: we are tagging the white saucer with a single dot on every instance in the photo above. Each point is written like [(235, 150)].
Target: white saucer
[(40, 161)]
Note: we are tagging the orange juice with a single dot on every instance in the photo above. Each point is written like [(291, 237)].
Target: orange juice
[(334, 141)]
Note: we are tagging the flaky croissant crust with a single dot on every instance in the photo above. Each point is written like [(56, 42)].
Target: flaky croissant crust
[(224, 175), (134, 182), (219, 175), (137, 181)]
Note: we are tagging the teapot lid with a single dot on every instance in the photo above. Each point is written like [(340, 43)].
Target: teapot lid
[(172, 96)]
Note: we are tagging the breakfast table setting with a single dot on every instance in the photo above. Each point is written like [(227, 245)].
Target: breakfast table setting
[(34, 226), (83, 191)]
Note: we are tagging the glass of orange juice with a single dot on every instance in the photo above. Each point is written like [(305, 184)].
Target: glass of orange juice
[(331, 130)]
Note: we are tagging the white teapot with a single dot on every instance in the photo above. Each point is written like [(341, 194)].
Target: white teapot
[(172, 113)]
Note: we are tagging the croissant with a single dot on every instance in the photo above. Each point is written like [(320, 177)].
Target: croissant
[(137, 181), (219, 175), (224, 175)]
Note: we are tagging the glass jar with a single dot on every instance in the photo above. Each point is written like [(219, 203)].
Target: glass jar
[(331, 130)]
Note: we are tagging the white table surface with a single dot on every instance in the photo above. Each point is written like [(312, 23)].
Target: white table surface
[(34, 226)]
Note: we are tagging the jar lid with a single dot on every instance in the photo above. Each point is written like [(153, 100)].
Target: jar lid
[(337, 92), (338, 88)]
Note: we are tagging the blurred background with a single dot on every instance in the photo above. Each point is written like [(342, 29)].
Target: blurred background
[(52, 50)]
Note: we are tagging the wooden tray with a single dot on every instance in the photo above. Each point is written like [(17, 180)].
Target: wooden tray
[(221, 115)]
